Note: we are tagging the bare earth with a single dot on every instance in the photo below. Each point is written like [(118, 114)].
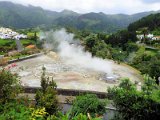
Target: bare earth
[(69, 76)]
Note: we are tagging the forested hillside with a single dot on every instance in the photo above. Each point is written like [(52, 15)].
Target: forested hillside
[(152, 22), (19, 16)]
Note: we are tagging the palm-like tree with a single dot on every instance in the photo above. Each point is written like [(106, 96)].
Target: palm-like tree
[(144, 31)]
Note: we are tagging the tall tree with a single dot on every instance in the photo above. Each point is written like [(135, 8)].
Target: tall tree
[(47, 96)]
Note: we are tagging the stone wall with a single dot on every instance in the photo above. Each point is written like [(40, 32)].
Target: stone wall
[(68, 92), (25, 58)]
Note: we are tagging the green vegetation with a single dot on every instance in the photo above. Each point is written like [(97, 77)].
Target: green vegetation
[(130, 102), (26, 42), (23, 17), (15, 110), (7, 45), (9, 86), (151, 22), (88, 103), (46, 106), (156, 31), (47, 96), (6, 42), (133, 104), (147, 62), (148, 25), (122, 46), (66, 117)]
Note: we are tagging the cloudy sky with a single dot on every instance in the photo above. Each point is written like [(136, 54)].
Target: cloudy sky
[(84, 6)]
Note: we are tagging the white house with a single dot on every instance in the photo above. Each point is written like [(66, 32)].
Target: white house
[(7, 33), (140, 37), (156, 38), (149, 36)]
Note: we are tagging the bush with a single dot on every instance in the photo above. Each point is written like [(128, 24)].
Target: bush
[(15, 111), (136, 105), (18, 110), (46, 97), (9, 85), (67, 117), (131, 47), (88, 103)]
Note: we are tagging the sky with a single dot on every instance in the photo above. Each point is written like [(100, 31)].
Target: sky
[(85, 6)]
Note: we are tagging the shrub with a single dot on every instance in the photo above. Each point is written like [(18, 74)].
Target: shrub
[(88, 103), (46, 97), (9, 85)]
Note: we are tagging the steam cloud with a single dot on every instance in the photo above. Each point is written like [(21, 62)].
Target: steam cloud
[(73, 53)]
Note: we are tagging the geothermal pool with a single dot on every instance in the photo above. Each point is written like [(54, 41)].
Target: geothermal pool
[(68, 76)]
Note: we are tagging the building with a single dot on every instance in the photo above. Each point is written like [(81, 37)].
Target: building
[(156, 38), (150, 36), (7, 33)]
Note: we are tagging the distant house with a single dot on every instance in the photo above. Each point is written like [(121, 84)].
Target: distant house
[(156, 38), (140, 37), (149, 36), (20, 36)]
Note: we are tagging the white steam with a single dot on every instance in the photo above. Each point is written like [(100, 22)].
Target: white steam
[(72, 52)]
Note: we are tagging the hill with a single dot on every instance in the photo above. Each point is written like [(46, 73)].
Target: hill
[(151, 22), (100, 22), (19, 16)]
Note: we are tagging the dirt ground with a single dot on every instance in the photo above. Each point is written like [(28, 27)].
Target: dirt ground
[(69, 76)]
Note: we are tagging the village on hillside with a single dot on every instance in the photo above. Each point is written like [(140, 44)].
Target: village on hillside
[(14, 45), (7, 33)]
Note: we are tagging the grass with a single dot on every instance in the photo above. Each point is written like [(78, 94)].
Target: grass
[(9, 42), (31, 34), (17, 56), (6, 42), (151, 52), (26, 42)]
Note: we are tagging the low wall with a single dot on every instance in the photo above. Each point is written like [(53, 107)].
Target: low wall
[(25, 58), (68, 92)]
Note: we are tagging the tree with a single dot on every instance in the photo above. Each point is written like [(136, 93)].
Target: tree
[(35, 37), (90, 41), (155, 67), (48, 100), (46, 97), (144, 32), (9, 85), (102, 50), (150, 21), (88, 103), (131, 47), (133, 104), (121, 38)]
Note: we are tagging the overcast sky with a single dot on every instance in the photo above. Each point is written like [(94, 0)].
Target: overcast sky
[(84, 6)]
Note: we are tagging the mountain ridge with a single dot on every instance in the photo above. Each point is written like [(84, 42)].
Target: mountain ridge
[(20, 16)]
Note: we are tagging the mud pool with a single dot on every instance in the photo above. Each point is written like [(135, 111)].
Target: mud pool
[(68, 76)]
